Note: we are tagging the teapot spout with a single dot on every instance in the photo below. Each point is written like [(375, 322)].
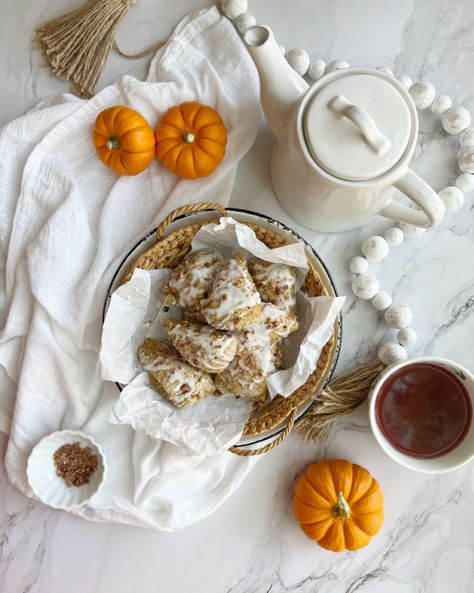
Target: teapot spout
[(280, 86)]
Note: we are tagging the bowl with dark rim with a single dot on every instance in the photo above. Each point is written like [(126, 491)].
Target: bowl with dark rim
[(244, 216)]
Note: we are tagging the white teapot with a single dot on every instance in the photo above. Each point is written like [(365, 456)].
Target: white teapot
[(343, 145)]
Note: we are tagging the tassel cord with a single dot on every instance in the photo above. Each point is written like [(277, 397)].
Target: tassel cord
[(341, 397)]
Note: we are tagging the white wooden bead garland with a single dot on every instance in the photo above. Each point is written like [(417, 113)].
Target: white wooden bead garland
[(234, 8), (299, 60), (455, 120), (244, 21)]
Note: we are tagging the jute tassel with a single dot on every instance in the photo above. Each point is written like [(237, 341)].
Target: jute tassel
[(77, 44), (341, 397)]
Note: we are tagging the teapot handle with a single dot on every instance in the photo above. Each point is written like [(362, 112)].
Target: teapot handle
[(431, 205)]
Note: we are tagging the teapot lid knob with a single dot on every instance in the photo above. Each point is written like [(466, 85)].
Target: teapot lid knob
[(358, 123), (365, 122)]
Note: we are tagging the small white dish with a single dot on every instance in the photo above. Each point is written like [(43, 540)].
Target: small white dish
[(451, 460), (48, 486)]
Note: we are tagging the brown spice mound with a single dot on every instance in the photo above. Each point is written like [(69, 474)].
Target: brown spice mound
[(75, 464)]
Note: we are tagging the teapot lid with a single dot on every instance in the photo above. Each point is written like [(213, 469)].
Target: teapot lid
[(358, 125)]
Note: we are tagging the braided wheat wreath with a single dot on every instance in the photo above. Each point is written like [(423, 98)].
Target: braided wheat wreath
[(331, 401)]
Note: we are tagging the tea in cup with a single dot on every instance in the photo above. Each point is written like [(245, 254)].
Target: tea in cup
[(421, 414)]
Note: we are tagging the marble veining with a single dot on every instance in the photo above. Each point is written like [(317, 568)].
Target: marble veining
[(252, 543)]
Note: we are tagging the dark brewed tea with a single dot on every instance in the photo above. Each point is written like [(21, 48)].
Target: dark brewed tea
[(423, 410)]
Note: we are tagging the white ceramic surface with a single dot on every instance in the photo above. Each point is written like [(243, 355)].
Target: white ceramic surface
[(452, 460), (334, 169), (47, 485), (252, 543)]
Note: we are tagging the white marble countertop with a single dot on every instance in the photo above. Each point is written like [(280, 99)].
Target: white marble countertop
[(252, 543)]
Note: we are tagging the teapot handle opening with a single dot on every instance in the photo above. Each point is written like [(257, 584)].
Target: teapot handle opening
[(431, 206)]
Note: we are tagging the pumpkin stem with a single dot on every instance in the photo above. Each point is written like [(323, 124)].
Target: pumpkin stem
[(113, 143), (189, 137), (342, 510)]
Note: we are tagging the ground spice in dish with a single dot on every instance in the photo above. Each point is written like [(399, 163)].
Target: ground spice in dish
[(75, 464)]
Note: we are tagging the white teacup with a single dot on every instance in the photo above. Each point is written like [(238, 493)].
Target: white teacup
[(451, 460)]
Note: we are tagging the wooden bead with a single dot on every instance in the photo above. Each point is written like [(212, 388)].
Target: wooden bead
[(298, 59), (382, 300), (365, 286), (405, 81), (465, 182), (337, 65), (441, 104), (466, 138), (422, 94), (245, 21), (410, 231), (398, 316), (359, 265), (407, 337), (456, 120), (391, 353), (394, 236), (316, 69), (453, 198), (375, 248), (234, 8), (466, 160)]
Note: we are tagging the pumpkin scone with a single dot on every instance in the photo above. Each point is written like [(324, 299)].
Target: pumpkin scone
[(276, 284), (202, 346), (257, 358), (176, 380), (233, 302), (191, 280), (277, 323)]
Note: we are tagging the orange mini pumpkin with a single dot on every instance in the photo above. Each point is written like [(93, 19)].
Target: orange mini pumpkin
[(191, 140), (338, 504), (123, 140)]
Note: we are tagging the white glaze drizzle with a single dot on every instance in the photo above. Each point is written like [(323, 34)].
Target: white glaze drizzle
[(179, 380), (276, 283), (233, 290), (202, 346), (192, 278)]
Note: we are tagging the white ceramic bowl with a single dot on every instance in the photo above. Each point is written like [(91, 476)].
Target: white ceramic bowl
[(47, 485), (460, 455)]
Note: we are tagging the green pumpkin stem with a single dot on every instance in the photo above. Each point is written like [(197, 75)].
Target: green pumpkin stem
[(113, 143), (189, 137), (342, 510)]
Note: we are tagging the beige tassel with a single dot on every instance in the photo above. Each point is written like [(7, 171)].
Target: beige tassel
[(77, 44), (341, 397)]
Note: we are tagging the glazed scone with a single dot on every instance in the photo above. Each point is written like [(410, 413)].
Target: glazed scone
[(191, 279), (176, 380), (233, 302), (245, 377), (277, 323), (276, 284), (204, 347), (257, 358)]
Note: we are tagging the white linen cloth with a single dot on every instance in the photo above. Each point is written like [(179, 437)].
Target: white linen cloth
[(65, 223)]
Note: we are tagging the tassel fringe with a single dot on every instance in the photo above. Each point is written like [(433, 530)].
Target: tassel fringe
[(339, 398), (77, 44)]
